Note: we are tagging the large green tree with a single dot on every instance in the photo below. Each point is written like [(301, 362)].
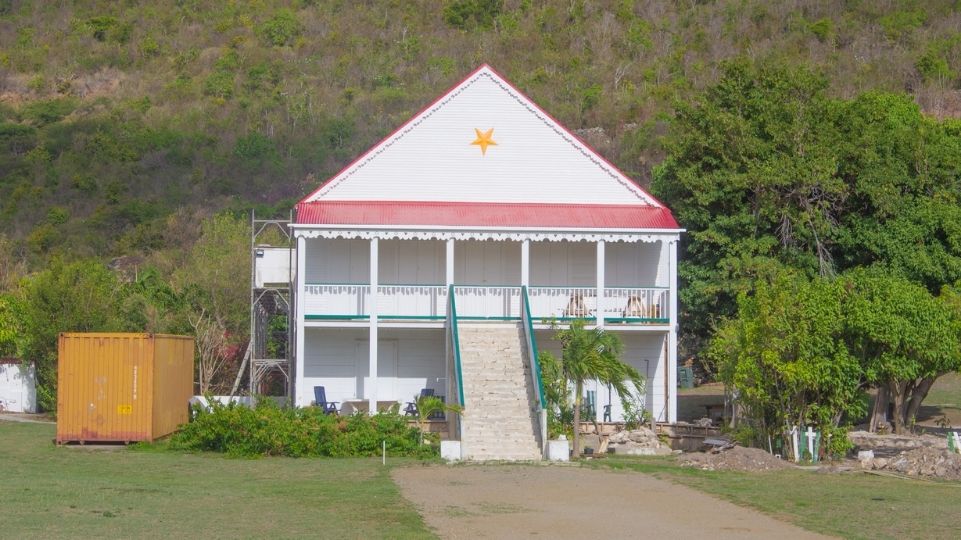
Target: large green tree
[(904, 338), (766, 171), (751, 175), (82, 296), (785, 355)]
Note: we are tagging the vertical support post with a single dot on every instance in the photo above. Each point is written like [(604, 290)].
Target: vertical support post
[(372, 379), (526, 263), (448, 281), (672, 334), (450, 263), (599, 305), (301, 395)]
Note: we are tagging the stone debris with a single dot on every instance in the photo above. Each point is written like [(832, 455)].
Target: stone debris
[(892, 444), (636, 442), (924, 461), (736, 458)]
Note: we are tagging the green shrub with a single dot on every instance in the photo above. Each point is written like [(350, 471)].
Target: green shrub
[(466, 14), (270, 430), (281, 29), (41, 113), (109, 29)]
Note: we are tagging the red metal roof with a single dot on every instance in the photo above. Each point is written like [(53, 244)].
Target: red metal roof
[(507, 215)]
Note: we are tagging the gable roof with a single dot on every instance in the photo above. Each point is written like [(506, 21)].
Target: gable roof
[(483, 149)]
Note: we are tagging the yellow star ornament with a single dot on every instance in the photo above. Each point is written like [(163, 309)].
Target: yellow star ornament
[(484, 140)]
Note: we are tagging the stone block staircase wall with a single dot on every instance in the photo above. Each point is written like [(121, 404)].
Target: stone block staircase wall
[(500, 415)]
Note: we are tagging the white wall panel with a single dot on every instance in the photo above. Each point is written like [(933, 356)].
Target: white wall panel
[(479, 262), (634, 265), (337, 260), (571, 264), (411, 262)]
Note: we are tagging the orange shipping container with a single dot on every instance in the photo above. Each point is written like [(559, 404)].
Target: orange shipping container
[(122, 387)]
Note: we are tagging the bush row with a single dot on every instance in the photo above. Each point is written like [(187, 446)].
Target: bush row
[(270, 430)]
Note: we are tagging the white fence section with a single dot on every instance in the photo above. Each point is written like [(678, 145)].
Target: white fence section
[(488, 302), (341, 300), (635, 303), (412, 301), (562, 302)]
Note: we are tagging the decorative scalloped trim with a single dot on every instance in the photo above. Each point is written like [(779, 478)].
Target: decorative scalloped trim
[(484, 235)]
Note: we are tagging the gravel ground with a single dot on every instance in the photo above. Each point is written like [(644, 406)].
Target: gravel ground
[(515, 501)]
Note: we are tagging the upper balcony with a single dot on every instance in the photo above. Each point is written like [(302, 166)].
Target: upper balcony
[(561, 277)]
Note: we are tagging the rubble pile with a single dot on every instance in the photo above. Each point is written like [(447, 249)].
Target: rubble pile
[(892, 444), (923, 461), (735, 458), (636, 442)]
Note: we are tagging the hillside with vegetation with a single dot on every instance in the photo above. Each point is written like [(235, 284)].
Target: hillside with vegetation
[(802, 144)]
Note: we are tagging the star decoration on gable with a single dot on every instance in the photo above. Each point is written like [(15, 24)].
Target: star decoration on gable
[(484, 140)]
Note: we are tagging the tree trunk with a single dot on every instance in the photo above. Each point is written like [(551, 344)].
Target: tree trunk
[(897, 392), (577, 418), (917, 396), (880, 410)]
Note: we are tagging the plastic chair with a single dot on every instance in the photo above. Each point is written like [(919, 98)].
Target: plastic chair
[(320, 400)]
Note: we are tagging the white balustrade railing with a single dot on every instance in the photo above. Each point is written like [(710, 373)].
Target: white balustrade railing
[(488, 302), (562, 302), (629, 304), (412, 301), (636, 303), (347, 300)]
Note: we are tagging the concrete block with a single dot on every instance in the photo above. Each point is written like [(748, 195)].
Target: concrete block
[(558, 450), (450, 450)]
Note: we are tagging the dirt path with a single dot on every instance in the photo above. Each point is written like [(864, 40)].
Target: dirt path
[(506, 501)]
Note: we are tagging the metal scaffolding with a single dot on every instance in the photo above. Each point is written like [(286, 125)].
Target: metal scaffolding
[(271, 325)]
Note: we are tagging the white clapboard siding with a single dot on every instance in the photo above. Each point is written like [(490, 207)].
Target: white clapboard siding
[(432, 158)]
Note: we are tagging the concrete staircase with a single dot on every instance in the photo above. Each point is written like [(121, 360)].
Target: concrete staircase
[(500, 415)]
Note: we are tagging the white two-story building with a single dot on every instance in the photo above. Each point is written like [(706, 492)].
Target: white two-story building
[(438, 259)]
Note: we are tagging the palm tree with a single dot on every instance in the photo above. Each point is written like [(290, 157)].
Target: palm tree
[(427, 406), (592, 355)]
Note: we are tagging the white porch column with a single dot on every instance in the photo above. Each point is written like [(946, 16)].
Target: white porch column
[(672, 334), (449, 280), (372, 309), (599, 313), (526, 263), (301, 395), (450, 262)]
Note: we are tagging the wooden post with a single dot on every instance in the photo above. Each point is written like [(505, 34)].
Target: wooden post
[(301, 395), (672, 333)]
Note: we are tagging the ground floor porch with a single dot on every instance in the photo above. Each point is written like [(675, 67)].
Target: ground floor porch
[(410, 360)]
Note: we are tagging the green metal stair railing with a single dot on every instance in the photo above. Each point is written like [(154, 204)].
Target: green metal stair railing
[(455, 344), (536, 374)]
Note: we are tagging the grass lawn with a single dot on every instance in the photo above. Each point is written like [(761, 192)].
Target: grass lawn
[(853, 505), (53, 492)]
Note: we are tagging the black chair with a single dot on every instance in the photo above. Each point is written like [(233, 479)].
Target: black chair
[(411, 408), (320, 400), (607, 413)]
